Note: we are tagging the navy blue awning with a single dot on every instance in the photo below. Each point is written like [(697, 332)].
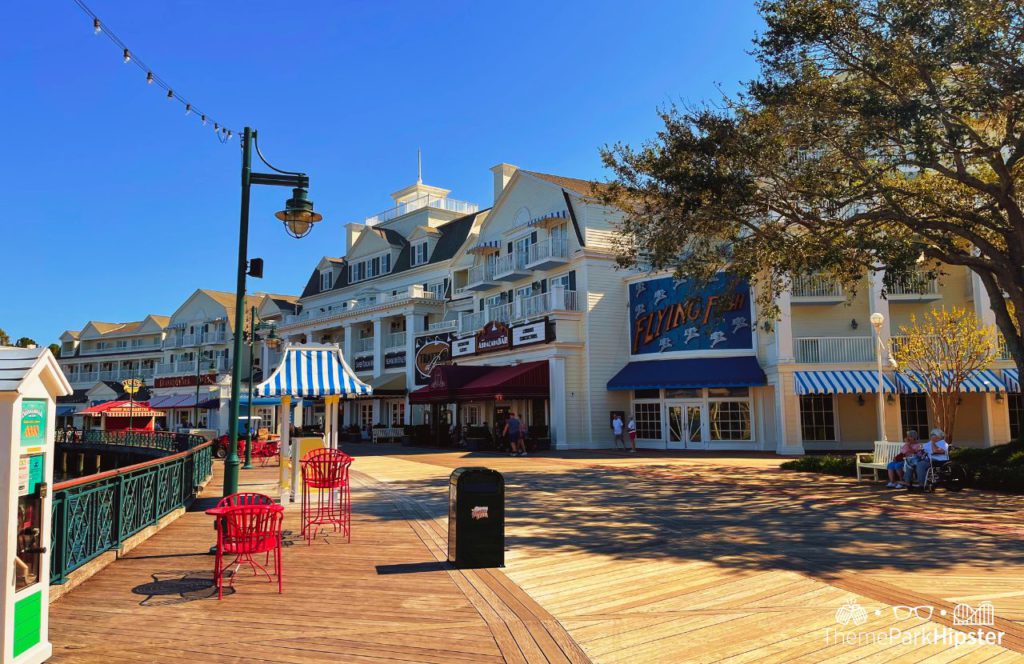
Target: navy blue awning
[(697, 372)]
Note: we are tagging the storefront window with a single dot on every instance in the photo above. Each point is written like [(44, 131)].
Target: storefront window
[(648, 420), (398, 413), (914, 413), (730, 420), (365, 414), (1016, 406), (472, 415), (684, 393), (817, 417)]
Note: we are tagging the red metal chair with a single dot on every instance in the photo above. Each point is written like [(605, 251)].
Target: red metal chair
[(244, 531), (245, 498), (325, 474), (269, 451)]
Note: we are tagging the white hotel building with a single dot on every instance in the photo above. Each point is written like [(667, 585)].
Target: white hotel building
[(183, 360), (520, 308)]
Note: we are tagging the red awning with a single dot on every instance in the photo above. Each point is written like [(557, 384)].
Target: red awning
[(123, 409), (529, 379), (457, 383), (445, 380)]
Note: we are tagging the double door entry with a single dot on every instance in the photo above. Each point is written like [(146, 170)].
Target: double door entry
[(686, 429)]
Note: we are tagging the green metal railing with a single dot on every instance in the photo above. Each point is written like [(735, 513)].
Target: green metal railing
[(166, 441), (95, 514)]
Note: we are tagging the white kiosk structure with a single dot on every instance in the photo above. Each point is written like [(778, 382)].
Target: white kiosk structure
[(314, 371), (30, 382)]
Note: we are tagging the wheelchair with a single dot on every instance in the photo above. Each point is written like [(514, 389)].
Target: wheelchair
[(948, 474)]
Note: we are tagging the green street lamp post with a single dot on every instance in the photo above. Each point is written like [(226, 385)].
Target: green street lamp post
[(298, 217)]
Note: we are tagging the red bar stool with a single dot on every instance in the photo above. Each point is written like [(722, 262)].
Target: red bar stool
[(326, 498), (244, 531)]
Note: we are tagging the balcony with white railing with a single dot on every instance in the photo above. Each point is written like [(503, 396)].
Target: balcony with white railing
[(461, 292), (85, 377), (912, 287), (425, 201), (548, 254), (125, 348), (395, 340), (443, 325), (472, 322), (216, 337), (481, 277), (525, 308), (816, 289), (834, 350), (511, 267), (364, 345)]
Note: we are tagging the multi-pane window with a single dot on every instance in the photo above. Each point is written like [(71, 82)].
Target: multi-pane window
[(419, 253), (397, 413), (326, 280), (817, 417), (914, 413), (648, 420), (385, 262), (365, 414), (561, 280), (1015, 403), (729, 420), (436, 289), (472, 415)]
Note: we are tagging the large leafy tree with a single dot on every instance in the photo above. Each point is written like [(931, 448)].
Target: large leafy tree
[(25, 342), (879, 133)]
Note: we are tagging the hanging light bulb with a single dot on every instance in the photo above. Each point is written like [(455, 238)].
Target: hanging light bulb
[(203, 118), (96, 27), (188, 109), (149, 77), (229, 134), (170, 93), (216, 127), (127, 56)]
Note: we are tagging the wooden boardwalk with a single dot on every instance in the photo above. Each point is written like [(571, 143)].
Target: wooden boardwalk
[(663, 559)]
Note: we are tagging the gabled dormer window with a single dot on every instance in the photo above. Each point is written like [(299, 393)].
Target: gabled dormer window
[(419, 253), (326, 280)]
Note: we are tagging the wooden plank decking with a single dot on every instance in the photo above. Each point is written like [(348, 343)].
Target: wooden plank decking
[(613, 560)]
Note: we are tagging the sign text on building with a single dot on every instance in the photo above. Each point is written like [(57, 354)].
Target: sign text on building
[(186, 381), (431, 350), (668, 315)]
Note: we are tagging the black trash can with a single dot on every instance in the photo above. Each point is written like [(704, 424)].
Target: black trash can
[(476, 518)]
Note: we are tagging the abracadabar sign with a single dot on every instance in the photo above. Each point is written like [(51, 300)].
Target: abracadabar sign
[(669, 315)]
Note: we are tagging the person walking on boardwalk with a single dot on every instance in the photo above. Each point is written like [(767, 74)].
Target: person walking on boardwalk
[(514, 431), (617, 432)]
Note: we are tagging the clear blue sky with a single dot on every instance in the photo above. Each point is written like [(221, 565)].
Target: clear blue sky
[(118, 206)]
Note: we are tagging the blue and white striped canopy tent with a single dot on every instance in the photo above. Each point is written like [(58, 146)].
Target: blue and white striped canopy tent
[(983, 380), (841, 382), (312, 370), (1012, 379)]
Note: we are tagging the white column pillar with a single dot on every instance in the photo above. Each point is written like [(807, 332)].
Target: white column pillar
[(414, 325), (557, 403), (285, 447), (378, 347), (347, 343), (784, 329), (876, 283)]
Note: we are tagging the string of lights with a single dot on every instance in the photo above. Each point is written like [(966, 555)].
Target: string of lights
[(131, 57)]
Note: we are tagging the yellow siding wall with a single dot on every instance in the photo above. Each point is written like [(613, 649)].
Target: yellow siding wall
[(607, 339)]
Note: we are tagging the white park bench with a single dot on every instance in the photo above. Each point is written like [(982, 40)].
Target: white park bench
[(885, 452), (381, 434)]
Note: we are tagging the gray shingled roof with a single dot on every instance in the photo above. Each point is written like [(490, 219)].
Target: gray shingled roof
[(453, 235)]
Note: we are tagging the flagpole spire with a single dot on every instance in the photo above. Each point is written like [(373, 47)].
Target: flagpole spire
[(419, 166)]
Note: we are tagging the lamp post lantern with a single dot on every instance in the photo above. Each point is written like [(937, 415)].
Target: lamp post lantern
[(877, 320), (299, 218)]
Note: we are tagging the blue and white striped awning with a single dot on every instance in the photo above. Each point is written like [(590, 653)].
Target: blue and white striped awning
[(983, 380), (312, 371), (488, 247), (1012, 379), (548, 218), (841, 382)]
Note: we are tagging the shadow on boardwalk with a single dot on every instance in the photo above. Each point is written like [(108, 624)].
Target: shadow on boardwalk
[(742, 517)]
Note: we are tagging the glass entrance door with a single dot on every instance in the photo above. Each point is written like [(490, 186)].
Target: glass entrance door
[(686, 426)]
